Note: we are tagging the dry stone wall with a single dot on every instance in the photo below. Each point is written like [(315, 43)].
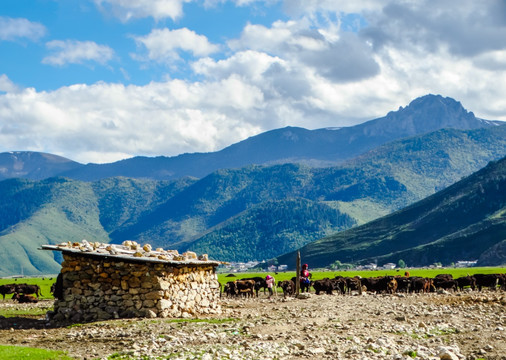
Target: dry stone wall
[(103, 288)]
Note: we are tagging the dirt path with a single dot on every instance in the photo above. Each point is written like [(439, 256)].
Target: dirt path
[(426, 326)]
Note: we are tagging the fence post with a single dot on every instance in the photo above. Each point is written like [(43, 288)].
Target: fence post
[(297, 276)]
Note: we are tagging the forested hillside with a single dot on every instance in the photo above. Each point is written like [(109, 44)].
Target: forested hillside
[(466, 221)]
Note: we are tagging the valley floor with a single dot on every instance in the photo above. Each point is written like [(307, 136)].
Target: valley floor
[(467, 325)]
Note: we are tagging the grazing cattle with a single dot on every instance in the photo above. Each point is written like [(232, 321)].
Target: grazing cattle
[(464, 281), (447, 285), (259, 283), (245, 287), (402, 283), (7, 289), (288, 287), (339, 284), (230, 289), (354, 283), (22, 298), (28, 289), (324, 285), (419, 284), (386, 284), (487, 280)]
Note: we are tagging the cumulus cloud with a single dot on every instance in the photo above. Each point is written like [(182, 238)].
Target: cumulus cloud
[(15, 29), (304, 72), (468, 29), (157, 9), (164, 45), (77, 52), (6, 85), (112, 120), (338, 56)]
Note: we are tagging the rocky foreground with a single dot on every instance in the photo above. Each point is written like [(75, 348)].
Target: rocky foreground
[(467, 325)]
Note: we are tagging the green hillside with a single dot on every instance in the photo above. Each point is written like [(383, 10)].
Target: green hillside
[(256, 212), (459, 223), (272, 227)]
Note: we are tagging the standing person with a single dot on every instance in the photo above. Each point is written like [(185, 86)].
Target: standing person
[(305, 283), (269, 280)]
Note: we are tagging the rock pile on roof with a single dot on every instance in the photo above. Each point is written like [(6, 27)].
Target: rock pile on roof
[(128, 248)]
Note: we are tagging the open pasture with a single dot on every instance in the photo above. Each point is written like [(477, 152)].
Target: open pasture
[(318, 274)]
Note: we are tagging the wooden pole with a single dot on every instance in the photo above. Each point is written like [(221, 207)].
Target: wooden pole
[(297, 275)]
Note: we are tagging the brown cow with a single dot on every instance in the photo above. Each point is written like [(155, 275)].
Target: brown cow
[(22, 298), (245, 287)]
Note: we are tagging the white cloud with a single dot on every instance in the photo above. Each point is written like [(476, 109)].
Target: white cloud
[(77, 52), (164, 45), (6, 85), (302, 72), (15, 29), (157, 9)]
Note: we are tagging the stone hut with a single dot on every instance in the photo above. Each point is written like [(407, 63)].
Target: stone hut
[(104, 281)]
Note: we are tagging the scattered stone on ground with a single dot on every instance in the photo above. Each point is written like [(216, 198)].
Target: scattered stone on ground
[(459, 326)]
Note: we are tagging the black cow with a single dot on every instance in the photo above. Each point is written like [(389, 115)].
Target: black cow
[(339, 284), (28, 289), (354, 283), (403, 283), (419, 284), (325, 285), (464, 281), (230, 289), (288, 287), (487, 280), (7, 289), (380, 284)]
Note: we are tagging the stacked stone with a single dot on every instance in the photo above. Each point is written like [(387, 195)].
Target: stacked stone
[(105, 288)]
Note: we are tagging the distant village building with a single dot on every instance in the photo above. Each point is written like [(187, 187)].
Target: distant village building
[(389, 266), (464, 264), (103, 281)]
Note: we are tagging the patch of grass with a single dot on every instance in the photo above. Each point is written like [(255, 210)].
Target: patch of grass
[(21, 352), (15, 312), (43, 282), (411, 353)]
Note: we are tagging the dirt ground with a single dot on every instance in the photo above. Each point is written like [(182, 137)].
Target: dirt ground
[(468, 325)]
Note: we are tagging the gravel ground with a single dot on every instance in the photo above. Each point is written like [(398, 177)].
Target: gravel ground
[(467, 325)]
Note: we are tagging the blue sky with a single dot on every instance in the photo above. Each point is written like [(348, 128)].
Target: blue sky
[(103, 80)]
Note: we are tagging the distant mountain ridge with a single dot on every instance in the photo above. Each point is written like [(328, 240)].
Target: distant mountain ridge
[(321, 147)]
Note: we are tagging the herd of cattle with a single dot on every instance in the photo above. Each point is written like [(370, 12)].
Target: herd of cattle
[(23, 293), (383, 284)]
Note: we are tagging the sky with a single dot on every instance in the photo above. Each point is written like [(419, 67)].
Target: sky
[(98, 81)]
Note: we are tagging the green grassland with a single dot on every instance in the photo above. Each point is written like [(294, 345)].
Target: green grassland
[(43, 282), (317, 275), (21, 352)]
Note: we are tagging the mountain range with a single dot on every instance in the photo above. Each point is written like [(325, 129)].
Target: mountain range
[(321, 147), (258, 199)]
